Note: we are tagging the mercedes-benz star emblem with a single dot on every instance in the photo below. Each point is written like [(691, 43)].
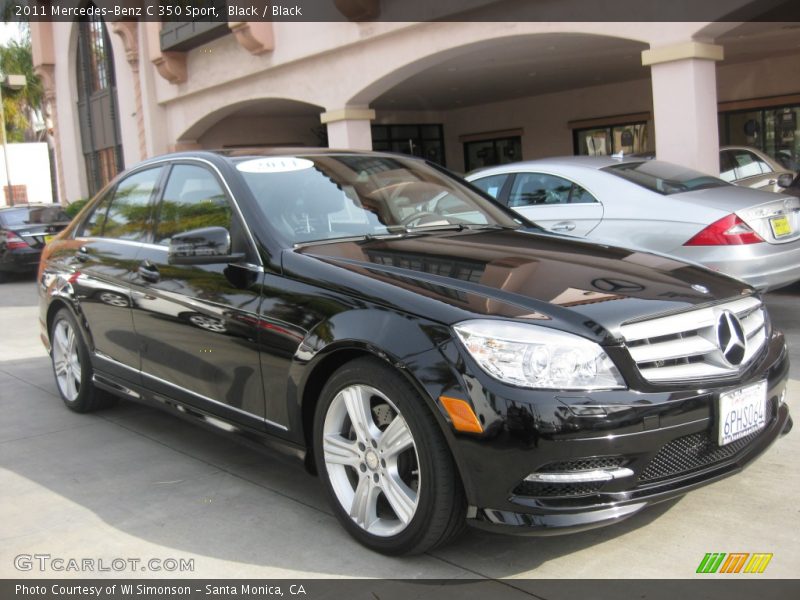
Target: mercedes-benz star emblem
[(730, 338)]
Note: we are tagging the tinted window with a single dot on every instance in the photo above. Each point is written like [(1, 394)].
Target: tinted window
[(664, 178), (129, 214), (492, 185), (534, 189), (93, 223), (193, 199)]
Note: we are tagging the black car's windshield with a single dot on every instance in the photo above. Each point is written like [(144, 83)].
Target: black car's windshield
[(664, 178), (33, 215), (325, 197)]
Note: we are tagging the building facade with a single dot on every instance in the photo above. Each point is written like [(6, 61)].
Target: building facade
[(464, 94)]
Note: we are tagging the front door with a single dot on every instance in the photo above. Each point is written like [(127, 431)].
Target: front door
[(198, 324)]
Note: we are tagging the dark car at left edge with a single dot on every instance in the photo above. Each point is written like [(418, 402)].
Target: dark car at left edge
[(24, 230), (435, 358)]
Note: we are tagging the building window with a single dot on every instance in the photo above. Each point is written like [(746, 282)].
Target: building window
[(774, 130), (97, 104), (628, 138), (490, 152), (422, 140)]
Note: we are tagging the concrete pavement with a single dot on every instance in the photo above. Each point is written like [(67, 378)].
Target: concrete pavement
[(132, 482)]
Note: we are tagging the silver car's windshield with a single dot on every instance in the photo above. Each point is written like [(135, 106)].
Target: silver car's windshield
[(326, 197), (664, 178)]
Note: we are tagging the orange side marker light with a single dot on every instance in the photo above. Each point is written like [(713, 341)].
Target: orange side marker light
[(461, 414)]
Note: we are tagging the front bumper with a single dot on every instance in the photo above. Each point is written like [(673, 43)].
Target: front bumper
[(666, 439)]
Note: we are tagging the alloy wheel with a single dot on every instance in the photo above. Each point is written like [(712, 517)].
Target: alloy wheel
[(371, 460), (66, 360)]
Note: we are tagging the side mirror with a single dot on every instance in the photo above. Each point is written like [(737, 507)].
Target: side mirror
[(206, 246), (785, 180)]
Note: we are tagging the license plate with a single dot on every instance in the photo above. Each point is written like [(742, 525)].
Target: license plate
[(780, 226), (47, 238), (741, 412)]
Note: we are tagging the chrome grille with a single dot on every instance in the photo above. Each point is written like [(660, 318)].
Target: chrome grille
[(684, 346)]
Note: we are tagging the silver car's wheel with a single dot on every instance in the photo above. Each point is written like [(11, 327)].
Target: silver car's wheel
[(371, 460), (66, 360)]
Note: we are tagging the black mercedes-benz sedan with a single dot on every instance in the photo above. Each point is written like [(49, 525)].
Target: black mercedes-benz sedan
[(434, 357), (24, 230)]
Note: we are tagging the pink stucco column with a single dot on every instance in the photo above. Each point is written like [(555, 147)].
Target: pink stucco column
[(349, 128), (685, 104)]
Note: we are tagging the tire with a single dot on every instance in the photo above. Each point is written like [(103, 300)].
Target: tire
[(389, 467), (72, 366)]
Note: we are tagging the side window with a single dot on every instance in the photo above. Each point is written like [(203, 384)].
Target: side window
[(578, 195), (748, 164), (492, 184), (129, 214), (92, 225), (193, 199), (538, 189), (727, 166)]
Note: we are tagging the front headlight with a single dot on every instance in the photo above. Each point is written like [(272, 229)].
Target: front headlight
[(537, 357)]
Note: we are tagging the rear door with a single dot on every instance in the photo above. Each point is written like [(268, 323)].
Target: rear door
[(555, 203), (198, 324), (103, 256)]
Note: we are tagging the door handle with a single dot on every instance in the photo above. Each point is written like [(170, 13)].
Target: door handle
[(148, 271), (82, 254), (563, 226)]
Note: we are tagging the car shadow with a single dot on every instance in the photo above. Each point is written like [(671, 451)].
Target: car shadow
[(168, 482)]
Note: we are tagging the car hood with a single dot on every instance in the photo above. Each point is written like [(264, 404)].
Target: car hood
[(554, 281)]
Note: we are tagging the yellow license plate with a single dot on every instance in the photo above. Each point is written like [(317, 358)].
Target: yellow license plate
[(780, 226), (47, 238)]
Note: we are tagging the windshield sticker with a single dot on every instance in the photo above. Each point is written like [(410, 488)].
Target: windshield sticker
[(274, 164)]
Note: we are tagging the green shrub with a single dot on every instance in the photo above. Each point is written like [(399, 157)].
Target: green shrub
[(73, 208)]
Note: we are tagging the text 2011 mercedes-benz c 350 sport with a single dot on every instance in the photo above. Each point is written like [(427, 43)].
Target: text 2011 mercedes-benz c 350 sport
[(434, 357)]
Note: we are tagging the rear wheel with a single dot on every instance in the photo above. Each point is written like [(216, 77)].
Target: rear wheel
[(384, 461), (72, 366)]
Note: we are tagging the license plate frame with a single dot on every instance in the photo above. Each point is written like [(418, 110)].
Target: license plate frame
[(780, 225), (741, 412)]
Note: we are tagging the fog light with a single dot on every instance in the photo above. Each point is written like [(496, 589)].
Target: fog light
[(579, 476)]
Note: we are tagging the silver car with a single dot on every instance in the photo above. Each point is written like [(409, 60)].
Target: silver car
[(752, 168), (660, 207)]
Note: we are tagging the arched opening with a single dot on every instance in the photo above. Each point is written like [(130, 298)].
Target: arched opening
[(515, 98), (98, 112), (258, 123)]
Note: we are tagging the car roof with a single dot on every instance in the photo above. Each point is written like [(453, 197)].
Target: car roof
[(587, 162), (256, 152)]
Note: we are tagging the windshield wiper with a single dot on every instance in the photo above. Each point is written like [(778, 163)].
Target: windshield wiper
[(447, 227), (365, 237)]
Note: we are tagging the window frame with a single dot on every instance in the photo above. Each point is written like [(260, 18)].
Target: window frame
[(237, 217)]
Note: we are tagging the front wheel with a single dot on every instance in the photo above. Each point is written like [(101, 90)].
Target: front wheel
[(384, 461)]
